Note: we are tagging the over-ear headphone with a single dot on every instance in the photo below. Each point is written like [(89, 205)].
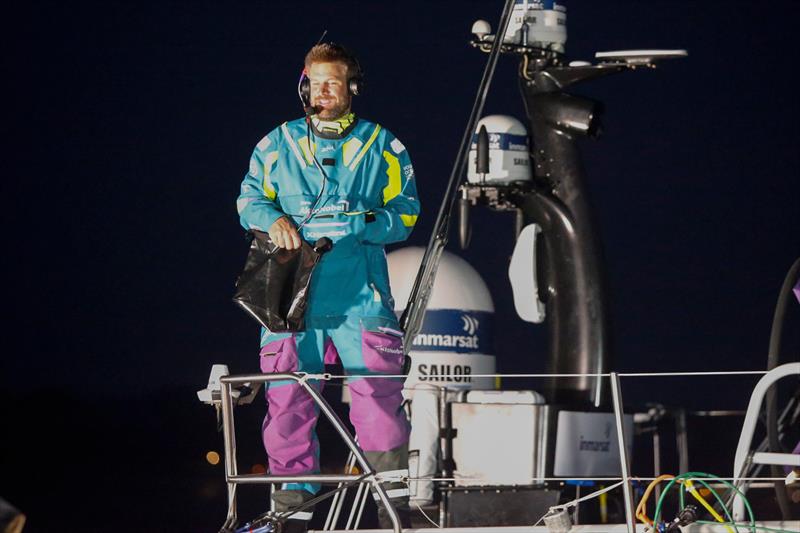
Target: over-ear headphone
[(355, 83)]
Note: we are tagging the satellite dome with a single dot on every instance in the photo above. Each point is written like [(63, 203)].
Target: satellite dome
[(458, 285), (455, 339)]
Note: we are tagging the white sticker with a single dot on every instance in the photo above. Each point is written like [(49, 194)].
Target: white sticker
[(318, 234), (397, 146), (263, 144), (254, 167), (408, 172)]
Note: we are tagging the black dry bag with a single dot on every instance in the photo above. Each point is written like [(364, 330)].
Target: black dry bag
[(274, 286)]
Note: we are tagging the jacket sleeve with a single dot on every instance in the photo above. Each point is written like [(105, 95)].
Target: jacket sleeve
[(396, 219), (256, 204)]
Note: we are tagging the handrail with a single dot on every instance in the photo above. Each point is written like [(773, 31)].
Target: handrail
[(749, 426), (371, 477), (232, 476)]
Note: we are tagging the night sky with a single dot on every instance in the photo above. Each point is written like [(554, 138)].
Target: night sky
[(131, 129)]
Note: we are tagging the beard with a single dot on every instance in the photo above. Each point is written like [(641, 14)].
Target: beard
[(338, 110)]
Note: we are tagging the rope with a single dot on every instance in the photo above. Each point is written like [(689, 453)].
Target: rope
[(641, 508), (576, 501), (428, 518), (587, 497)]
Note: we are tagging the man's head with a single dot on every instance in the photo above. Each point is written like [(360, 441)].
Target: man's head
[(330, 68)]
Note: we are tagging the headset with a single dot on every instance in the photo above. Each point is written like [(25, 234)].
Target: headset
[(355, 84)]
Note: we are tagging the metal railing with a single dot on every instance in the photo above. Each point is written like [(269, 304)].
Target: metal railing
[(233, 478), (369, 478)]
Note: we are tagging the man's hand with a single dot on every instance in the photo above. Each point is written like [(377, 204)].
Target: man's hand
[(284, 235)]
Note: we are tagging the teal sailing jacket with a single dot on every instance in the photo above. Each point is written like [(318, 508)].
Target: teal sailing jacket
[(370, 200)]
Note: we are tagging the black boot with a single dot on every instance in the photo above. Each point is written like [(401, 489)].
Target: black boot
[(390, 461), (403, 512), (288, 500)]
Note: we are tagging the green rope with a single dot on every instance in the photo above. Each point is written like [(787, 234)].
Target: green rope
[(697, 475)]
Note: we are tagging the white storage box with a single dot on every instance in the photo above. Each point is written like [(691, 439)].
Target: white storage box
[(499, 443)]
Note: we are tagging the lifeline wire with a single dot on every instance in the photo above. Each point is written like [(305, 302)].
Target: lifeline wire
[(744, 524), (327, 376), (633, 478)]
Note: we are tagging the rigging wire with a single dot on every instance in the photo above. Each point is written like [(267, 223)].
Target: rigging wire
[(411, 320)]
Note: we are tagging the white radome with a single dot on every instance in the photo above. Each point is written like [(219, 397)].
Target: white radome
[(457, 285), (459, 292), (509, 158)]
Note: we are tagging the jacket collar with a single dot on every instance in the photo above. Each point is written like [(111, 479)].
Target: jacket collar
[(334, 129)]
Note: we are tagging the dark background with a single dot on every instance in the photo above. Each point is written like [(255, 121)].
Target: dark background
[(131, 128)]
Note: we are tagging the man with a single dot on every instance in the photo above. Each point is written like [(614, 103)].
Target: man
[(334, 175)]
